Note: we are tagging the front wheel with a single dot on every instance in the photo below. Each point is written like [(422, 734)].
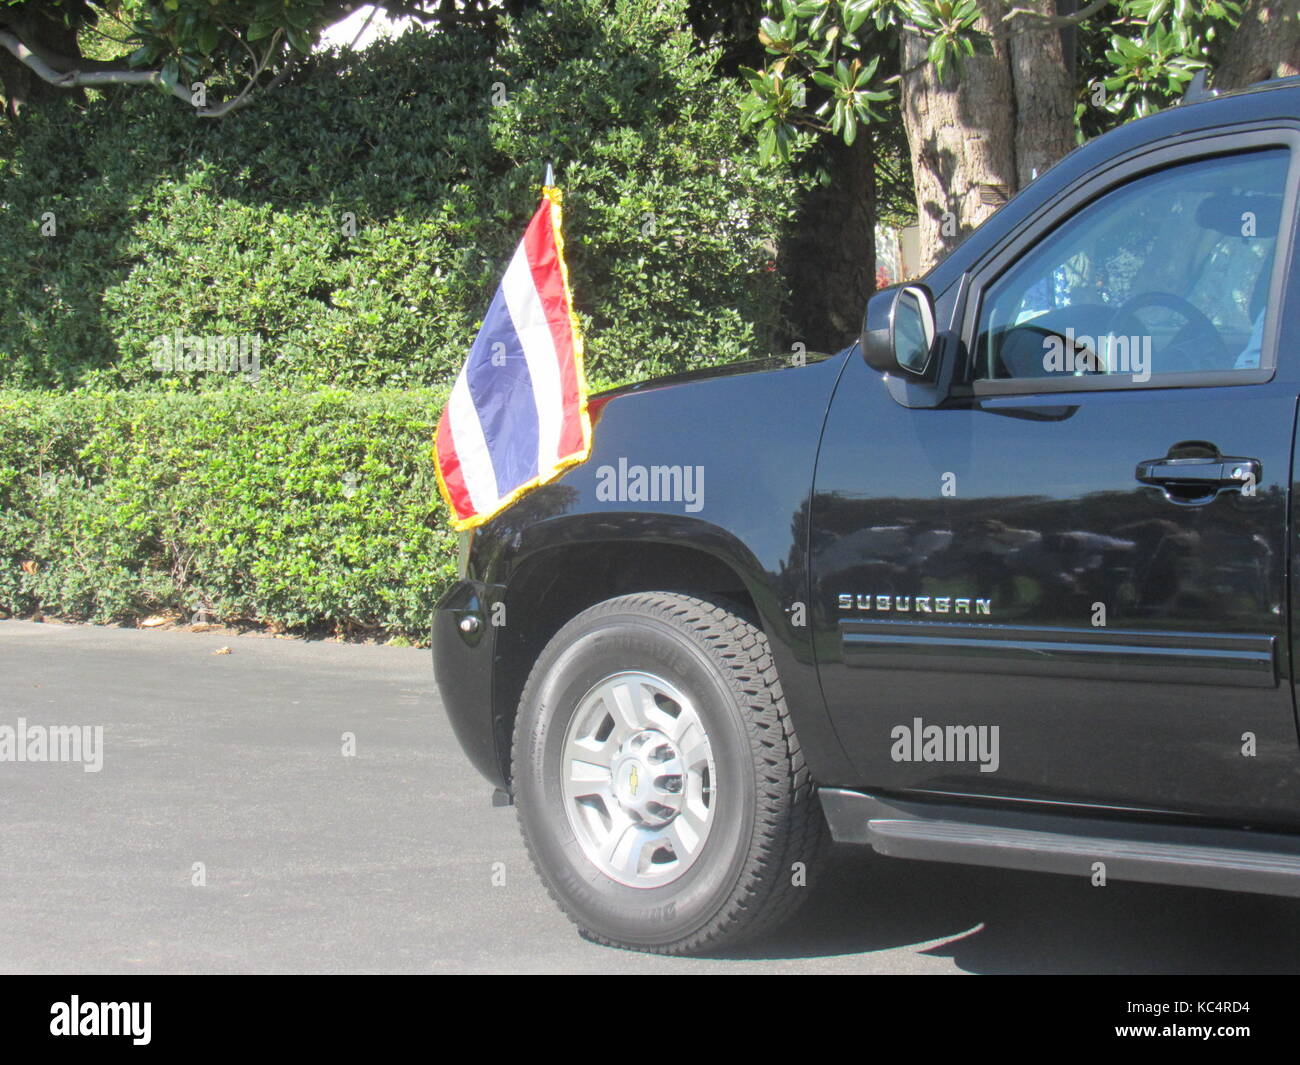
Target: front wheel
[(659, 783)]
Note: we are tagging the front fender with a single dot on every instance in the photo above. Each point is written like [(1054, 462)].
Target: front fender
[(739, 452)]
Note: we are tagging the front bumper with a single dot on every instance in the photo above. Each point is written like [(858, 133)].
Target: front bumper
[(462, 668)]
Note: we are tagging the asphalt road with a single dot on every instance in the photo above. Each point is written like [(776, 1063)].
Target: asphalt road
[(384, 861)]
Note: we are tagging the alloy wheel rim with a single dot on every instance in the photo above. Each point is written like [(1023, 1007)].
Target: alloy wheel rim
[(639, 780)]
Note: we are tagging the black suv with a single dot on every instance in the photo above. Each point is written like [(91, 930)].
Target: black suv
[(1006, 583)]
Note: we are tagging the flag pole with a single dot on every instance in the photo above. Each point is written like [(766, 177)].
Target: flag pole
[(549, 180)]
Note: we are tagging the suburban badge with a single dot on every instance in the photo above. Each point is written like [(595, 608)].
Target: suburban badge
[(915, 604)]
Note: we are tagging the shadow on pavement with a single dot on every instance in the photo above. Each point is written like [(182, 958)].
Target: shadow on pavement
[(1003, 921)]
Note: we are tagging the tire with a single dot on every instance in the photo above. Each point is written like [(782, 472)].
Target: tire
[(658, 781)]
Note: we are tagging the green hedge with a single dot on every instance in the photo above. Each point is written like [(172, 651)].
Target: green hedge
[(317, 511), (165, 223), (308, 498)]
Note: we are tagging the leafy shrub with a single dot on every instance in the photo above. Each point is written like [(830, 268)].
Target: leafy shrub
[(313, 510), (434, 144), (356, 221)]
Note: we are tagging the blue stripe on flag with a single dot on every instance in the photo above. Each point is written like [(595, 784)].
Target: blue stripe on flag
[(503, 395)]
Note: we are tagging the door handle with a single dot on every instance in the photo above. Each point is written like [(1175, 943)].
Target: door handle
[(1203, 473)]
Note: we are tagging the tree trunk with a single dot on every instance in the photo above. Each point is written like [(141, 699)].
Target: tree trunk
[(978, 137), (833, 249), (1265, 44), (1044, 97), (39, 31), (961, 137)]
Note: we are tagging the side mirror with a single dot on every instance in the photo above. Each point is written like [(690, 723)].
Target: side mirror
[(898, 333)]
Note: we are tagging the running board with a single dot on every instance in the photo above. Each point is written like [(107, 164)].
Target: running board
[(1227, 859)]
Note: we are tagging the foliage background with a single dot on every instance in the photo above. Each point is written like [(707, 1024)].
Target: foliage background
[(303, 510), (236, 227), (126, 492)]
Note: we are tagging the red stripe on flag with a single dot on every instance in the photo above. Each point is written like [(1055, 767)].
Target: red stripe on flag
[(449, 466), (544, 261)]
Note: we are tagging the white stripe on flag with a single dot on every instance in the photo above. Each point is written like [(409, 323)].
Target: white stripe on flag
[(471, 447), (529, 317)]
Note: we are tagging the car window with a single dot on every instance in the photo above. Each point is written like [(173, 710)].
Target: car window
[(1166, 274)]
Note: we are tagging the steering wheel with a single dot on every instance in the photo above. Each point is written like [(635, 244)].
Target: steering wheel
[(1196, 346)]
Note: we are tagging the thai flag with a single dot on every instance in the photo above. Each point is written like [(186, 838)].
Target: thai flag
[(517, 416)]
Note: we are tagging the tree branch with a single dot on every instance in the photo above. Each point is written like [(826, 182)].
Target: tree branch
[(75, 79), (364, 26), (1057, 21), (242, 100), (72, 78)]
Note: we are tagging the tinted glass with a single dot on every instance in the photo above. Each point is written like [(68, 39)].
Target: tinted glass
[(1167, 274)]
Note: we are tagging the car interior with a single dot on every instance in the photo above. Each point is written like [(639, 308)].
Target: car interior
[(1167, 274)]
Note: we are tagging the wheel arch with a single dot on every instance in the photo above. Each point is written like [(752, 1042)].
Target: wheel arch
[(554, 584)]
